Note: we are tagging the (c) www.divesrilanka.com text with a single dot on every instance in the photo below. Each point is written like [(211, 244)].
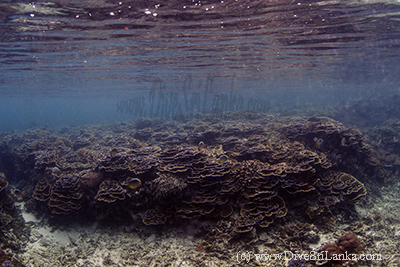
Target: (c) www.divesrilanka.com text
[(312, 256)]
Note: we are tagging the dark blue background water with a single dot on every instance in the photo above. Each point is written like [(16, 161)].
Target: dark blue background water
[(72, 62)]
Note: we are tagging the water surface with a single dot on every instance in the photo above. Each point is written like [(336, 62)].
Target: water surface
[(71, 62)]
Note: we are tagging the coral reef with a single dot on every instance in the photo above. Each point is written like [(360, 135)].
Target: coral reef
[(345, 147), (65, 196), (387, 138), (110, 191), (236, 177), (12, 228)]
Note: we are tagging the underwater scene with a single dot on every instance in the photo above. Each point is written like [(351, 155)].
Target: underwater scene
[(199, 133)]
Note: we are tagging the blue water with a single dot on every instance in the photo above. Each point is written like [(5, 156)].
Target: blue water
[(72, 62)]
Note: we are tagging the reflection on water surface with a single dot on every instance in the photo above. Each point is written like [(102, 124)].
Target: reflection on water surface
[(257, 40)]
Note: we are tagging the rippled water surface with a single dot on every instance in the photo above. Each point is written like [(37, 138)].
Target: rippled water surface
[(71, 62)]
